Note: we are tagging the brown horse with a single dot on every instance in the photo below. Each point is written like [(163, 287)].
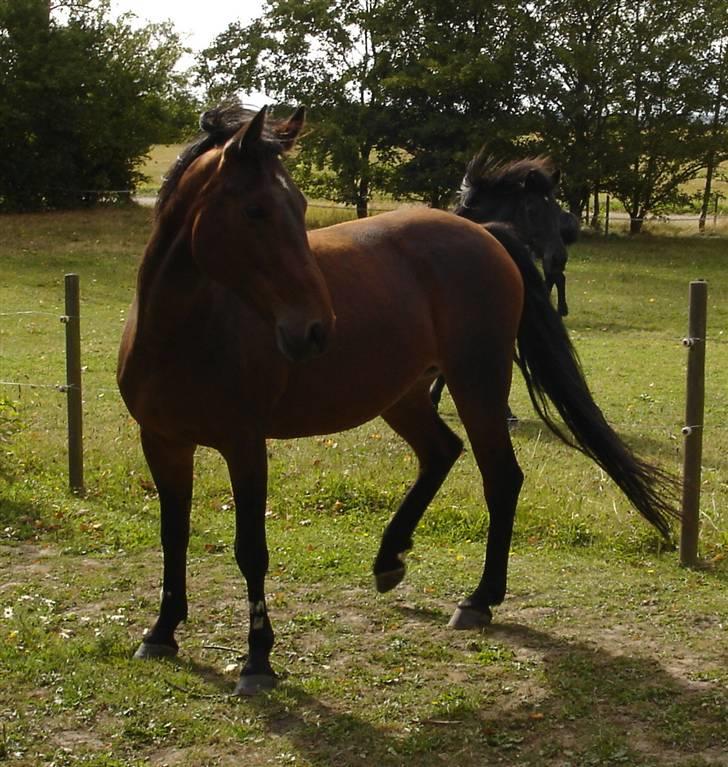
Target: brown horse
[(225, 345)]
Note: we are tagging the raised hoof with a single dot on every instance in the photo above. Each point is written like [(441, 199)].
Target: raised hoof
[(149, 650), (387, 581), (470, 618), (252, 684)]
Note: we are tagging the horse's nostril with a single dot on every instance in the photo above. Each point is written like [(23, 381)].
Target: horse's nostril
[(304, 344), (317, 336)]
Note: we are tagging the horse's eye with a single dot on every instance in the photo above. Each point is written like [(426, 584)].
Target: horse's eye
[(256, 212)]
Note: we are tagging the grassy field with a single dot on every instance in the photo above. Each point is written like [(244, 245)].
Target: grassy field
[(604, 653)]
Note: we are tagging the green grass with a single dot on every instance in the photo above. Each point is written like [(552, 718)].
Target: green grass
[(155, 166), (605, 652)]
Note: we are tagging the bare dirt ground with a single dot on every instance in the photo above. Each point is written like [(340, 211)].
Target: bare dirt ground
[(581, 667)]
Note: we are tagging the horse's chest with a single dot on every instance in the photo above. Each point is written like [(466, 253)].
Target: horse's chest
[(197, 392)]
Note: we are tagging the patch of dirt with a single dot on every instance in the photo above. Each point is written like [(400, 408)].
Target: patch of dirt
[(536, 688), (26, 560), (70, 740)]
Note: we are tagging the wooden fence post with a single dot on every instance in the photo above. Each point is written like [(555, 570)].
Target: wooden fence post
[(72, 320), (693, 429)]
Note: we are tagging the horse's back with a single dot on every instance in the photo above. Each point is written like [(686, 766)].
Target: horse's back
[(458, 270), (431, 247)]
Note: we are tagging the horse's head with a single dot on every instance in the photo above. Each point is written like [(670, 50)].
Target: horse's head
[(248, 232), (521, 194), (569, 227)]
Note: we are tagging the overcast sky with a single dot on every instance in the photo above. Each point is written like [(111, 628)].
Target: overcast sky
[(198, 23)]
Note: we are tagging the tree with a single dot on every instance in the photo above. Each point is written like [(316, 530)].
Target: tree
[(457, 75), (403, 92), (577, 57), (715, 62), (657, 137), (83, 100), (324, 53)]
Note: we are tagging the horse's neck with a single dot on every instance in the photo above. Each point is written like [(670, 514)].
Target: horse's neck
[(169, 283)]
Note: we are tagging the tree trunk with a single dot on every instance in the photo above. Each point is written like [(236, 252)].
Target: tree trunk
[(362, 189), (595, 213), (714, 129), (709, 169), (438, 199), (635, 223), (362, 198)]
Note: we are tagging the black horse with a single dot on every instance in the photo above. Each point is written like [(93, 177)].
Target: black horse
[(506, 193), (508, 199)]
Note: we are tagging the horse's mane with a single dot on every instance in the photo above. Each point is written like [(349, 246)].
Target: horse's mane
[(489, 176), (217, 125)]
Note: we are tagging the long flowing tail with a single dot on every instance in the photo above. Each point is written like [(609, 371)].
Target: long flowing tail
[(554, 377)]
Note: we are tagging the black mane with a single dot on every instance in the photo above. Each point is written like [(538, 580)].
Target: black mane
[(218, 125), (492, 178)]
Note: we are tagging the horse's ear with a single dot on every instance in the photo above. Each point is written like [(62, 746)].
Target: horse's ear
[(248, 135), (288, 132)]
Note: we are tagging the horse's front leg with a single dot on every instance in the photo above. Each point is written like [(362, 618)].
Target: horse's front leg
[(248, 466), (171, 466), (561, 305)]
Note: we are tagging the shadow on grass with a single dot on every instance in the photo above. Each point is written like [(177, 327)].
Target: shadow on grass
[(533, 429), (422, 614), (530, 428), (596, 708)]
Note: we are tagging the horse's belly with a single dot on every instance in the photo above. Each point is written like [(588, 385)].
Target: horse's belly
[(345, 388)]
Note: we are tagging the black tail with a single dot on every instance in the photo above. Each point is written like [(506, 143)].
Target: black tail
[(554, 376)]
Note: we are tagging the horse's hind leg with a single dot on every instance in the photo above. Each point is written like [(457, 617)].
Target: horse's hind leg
[(484, 415), (436, 390), (414, 418), (171, 467)]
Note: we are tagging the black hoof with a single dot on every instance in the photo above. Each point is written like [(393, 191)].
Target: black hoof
[(465, 618), (387, 581), (149, 650), (253, 684)]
